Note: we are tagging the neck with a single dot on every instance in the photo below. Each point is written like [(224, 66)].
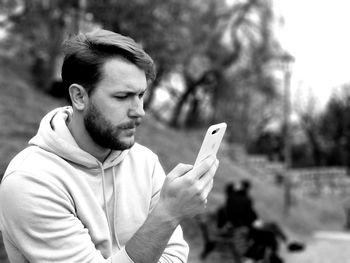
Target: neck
[(83, 139)]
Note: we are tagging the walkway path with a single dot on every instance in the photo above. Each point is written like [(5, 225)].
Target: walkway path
[(324, 247)]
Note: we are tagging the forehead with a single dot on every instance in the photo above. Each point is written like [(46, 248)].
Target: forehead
[(119, 75)]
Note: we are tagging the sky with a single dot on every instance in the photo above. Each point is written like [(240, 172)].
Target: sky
[(316, 33)]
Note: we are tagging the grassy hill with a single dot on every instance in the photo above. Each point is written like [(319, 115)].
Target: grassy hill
[(22, 106)]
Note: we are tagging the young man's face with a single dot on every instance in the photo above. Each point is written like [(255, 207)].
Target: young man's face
[(115, 107)]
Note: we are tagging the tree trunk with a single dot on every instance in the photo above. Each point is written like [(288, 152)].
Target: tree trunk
[(179, 106), (193, 116), (56, 31), (152, 88)]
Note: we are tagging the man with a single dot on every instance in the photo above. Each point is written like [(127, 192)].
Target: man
[(83, 191), (239, 206)]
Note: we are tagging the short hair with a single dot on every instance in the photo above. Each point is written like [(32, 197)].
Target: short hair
[(246, 184), (229, 189), (86, 53)]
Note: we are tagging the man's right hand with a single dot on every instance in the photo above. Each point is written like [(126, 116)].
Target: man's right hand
[(183, 195), (186, 188)]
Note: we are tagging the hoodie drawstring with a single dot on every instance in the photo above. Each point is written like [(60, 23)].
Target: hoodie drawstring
[(115, 207), (106, 205)]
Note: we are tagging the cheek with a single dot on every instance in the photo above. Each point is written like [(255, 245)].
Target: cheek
[(116, 113)]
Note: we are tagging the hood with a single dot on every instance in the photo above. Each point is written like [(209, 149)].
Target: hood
[(54, 136)]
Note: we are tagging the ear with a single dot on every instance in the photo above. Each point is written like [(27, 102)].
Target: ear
[(79, 96)]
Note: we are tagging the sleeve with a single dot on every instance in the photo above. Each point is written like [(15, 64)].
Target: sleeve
[(39, 222), (177, 248)]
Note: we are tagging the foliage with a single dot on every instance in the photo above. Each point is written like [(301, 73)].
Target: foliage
[(239, 79), (269, 143), (36, 30), (327, 133), (225, 53), (335, 128), (161, 27), (312, 151)]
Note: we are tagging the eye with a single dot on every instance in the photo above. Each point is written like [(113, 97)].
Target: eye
[(141, 95), (121, 97)]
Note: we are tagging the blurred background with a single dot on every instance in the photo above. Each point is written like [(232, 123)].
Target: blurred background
[(274, 71)]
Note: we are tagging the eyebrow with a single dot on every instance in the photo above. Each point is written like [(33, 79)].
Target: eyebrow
[(127, 91)]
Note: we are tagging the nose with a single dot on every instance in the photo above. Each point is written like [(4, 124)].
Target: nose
[(136, 109)]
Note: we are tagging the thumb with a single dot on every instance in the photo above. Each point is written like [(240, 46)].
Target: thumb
[(179, 171)]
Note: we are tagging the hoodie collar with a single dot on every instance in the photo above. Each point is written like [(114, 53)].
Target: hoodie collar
[(54, 136)]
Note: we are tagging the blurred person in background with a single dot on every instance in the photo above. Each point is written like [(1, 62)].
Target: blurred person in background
[(237, 216), (238, 224), (234, 221), (239, 210), (83, 190)]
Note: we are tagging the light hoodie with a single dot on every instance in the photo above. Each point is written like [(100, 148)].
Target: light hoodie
[(58, 203)]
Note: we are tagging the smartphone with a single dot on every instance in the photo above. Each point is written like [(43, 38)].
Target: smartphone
[(211, 142)]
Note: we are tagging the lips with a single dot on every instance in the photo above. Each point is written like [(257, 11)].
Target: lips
[(129, 131), (129, 125)]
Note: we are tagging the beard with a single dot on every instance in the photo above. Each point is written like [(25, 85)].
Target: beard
[(104, 133)]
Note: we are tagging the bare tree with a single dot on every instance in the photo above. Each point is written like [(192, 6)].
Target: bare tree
[(309, 118)]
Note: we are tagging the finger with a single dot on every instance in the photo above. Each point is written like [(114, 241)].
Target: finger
[(203, 206), (207, 189), (209, 175), (179, 171), (206, 182), (203, 167)]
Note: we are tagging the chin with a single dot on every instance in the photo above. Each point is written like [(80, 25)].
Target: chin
[(125, 144), (131, 144)]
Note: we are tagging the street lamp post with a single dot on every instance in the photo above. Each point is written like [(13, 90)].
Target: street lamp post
[(287, 61)]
